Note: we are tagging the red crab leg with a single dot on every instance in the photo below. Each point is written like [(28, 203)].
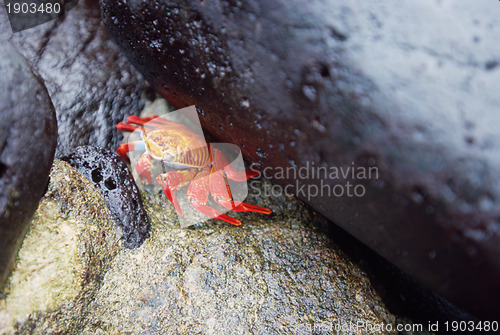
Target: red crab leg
[(173, 181), (220, 189), (198, 193), (153, 121), (232, 174), (122, 126), (246, 207), (222, 195), (124, 148), (221, 162), (140, 120)]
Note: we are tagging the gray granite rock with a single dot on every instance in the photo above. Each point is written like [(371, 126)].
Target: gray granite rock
[(28, 134), (406, 88)]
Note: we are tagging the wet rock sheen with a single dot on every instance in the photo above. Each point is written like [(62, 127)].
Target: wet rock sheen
[(91, 84), (28, 135), (406, 88)]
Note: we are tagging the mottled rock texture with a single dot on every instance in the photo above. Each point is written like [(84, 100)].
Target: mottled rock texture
[(91, 84), (273, 275), (408, 88), (28, 134), (69, 247), (110, 175)]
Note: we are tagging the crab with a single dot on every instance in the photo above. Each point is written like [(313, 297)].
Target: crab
[(198, 163)]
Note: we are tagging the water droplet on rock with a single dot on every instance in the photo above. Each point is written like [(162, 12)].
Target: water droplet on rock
[(261, 153), (309, 92), (432, 254), (245, 103)]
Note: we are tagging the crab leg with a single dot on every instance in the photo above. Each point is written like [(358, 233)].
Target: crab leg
[(246, 207), (139, 122), (125, 148), (221, 193), (122, 126), (235, 175), (173, 181), (153, 121), (198, 193), (221, 163)]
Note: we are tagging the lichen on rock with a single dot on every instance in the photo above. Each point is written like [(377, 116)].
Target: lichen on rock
[(274, 274), (63, 258)]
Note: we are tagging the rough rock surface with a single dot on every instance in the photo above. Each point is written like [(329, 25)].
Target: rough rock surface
[(272, 275), (111, 176), (407, 88), (28, 134), (91, 84), (60, 266)]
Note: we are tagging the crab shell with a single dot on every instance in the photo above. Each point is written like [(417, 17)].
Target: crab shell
[(177, 146)]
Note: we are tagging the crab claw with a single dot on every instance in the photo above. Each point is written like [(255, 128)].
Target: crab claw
[(140, 120), (143, 168), (232, 174)]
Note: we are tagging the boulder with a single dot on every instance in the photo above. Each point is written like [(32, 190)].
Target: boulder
[(28, 137), (273, 274), (91, 83), (403, 89), (62, 261)]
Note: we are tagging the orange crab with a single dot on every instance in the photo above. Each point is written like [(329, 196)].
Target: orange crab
[(201, 165)]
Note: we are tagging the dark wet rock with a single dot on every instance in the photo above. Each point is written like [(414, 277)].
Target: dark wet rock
[(405, 88), (273, 275), (28, 134), (69, 247), (91, 84), (111, 176)]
